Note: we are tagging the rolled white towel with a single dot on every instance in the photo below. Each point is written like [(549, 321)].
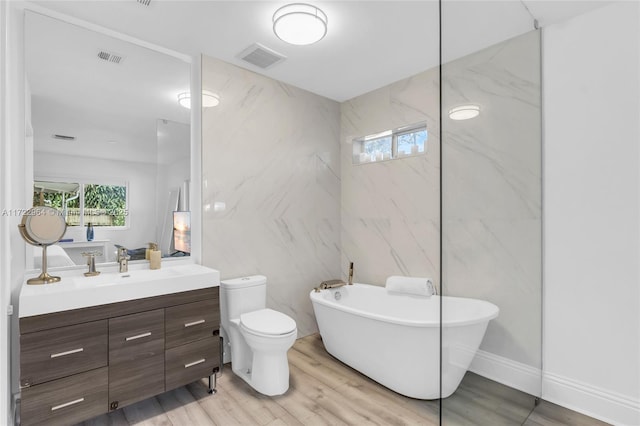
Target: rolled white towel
[(409, 285)]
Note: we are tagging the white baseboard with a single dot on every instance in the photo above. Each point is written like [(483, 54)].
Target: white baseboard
[(601, 404), (508, 372), (592, 401)]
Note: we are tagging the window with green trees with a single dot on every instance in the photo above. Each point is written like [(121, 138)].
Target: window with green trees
[(83, 203)]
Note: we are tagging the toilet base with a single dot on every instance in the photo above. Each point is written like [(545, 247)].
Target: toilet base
[(259, 360), (271, 377)]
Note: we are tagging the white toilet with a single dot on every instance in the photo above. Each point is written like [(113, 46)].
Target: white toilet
[(258, 338)]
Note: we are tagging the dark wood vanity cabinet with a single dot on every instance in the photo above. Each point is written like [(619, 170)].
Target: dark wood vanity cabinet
[(85, 362), (136, 357)]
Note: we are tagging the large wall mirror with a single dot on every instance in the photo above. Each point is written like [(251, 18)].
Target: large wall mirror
[(111, 142)]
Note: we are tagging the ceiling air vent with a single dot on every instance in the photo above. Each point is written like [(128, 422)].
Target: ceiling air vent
[(144, 2), (261, 56), (64, 137), (112, 57)]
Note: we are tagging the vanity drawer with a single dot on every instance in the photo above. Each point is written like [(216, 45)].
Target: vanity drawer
[(60, 352), (65, 401), (191, 321), (136, 336), (193, 361)]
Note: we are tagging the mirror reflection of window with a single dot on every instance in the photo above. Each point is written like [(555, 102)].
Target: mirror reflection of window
[(62, 196), (105, 205), (84, 203)]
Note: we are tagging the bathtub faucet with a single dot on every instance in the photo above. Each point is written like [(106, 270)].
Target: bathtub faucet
[(329, 284), (351, 273)]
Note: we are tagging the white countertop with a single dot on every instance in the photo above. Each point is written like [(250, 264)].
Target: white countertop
[(75, 291)]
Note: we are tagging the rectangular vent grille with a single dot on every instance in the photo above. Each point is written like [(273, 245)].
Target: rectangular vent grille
[(64, 137), (261, 56), (144, 2), (112, 57)]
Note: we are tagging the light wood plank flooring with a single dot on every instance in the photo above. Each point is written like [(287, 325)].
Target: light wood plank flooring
[(323, 391)]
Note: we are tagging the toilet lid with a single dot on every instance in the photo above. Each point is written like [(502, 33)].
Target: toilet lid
[(267, 321)]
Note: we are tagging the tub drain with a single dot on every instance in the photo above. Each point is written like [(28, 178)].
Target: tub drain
[(337, 295)]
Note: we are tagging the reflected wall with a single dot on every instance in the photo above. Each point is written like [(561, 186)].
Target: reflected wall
[(491, 221)]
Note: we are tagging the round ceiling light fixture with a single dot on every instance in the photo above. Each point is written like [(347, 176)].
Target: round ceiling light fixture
[(209, 99), (300, 24), (464, 112)]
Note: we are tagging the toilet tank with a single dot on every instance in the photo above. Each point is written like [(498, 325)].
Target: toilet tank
[(240, 295)]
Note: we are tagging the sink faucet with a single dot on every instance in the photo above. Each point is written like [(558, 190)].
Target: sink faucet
[(91, 261), (123, 260)]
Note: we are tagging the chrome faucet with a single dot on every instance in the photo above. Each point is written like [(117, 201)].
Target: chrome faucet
[(91, 261), (351, 273), (123, 260)]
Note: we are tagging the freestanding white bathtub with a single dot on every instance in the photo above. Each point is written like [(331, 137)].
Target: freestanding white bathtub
[(395, 338)]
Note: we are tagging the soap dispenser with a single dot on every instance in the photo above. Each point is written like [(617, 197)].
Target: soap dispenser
[(89, 232), (148, 250), (154, 256)]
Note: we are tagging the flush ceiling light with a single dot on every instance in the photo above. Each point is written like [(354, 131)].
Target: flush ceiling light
[(209, 99), (300, 23), (464, 112)]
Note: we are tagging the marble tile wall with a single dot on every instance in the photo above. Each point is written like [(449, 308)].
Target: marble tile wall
[(491, 189), (390, 209), (298, 211), (271, 152), (491, 179)]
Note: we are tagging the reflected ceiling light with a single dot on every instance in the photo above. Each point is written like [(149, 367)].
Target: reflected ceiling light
[(300, 24), (464, 112), (209, 99)]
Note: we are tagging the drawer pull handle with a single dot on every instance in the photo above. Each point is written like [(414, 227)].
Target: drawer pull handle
[(73, 351), (138, 336), (66, 404), (191, 324), (191, 364)]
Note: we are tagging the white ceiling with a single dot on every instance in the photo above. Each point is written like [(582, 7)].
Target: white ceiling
[(369, 44)]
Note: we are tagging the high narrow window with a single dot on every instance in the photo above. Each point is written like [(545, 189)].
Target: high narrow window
[(403, 142)]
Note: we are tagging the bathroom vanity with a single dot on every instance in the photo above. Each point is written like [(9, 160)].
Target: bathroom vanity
[(85, 350)]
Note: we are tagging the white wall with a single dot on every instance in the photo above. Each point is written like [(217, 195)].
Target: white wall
[(13, 190), (592, 221), (5, 291), (141, 178)]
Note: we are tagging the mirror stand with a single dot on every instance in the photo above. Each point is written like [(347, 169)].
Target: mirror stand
[(42, 226), (44, 277)]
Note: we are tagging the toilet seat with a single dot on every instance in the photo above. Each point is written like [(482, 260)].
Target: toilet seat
[(267, 322)]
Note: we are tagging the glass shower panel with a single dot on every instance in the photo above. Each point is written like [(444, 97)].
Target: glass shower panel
[(491, 351)]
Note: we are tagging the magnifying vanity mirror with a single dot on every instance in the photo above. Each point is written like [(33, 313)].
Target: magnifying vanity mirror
[(111, 143), (42, 227)]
